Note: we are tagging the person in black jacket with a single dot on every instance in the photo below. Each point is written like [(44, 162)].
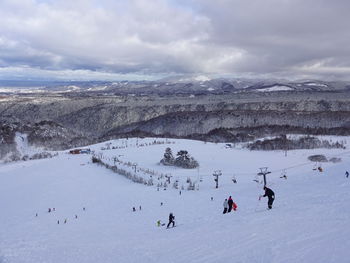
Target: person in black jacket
[(171, 220), (271, 196), (230, 204)]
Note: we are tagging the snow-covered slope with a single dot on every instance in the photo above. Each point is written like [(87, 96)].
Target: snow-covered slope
[(275, 88), (309, 221)]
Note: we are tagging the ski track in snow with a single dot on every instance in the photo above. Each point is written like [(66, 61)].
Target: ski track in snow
[(310, 221)]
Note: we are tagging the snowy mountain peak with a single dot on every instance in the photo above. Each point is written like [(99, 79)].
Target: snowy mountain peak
[(201, 78)]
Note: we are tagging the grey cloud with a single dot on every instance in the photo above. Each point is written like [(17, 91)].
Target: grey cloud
[(270, 37), (278, 35)]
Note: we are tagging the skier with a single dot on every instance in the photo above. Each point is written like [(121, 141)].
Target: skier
[(271, 196), (347, 174), (171, 220), (230, 204), (225, 206), (134, 209)]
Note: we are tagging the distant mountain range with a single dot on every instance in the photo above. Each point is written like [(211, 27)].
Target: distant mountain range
[(60, 115), (200, 85)]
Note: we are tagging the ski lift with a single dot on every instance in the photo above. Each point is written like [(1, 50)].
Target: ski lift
[(234, 180), (256, 179), (283, 174)]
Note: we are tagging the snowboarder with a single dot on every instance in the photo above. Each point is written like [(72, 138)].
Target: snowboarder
[(225, 206), (230, 204), (159, 223), (271, 196), (347, 174), (171, 220)]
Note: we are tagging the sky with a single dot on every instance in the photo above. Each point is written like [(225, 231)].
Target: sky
[(152, 39)]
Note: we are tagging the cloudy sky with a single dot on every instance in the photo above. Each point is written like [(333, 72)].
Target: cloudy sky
[(150, 39)]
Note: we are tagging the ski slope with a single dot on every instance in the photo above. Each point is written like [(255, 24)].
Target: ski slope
[(310, 221)]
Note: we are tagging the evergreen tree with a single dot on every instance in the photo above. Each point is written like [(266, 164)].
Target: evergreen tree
[(184, 160), (168, 157)]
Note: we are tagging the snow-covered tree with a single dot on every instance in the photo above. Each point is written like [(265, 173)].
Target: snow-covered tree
[(168, 157), (184, 160)]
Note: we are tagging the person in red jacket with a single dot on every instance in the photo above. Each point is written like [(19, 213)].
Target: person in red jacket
[(234, 206)]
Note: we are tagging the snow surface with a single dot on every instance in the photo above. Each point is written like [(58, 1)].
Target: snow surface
[(275, 88), (21, 89), (310, 221), (316, 84)]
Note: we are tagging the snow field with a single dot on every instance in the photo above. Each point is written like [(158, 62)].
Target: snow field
[(309, 221)]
